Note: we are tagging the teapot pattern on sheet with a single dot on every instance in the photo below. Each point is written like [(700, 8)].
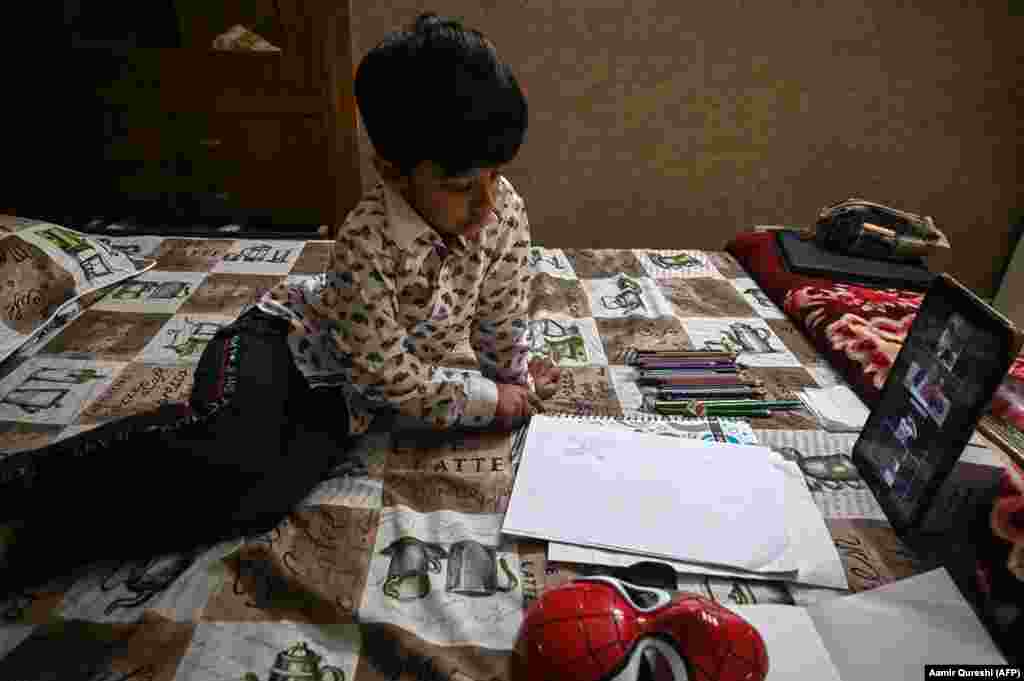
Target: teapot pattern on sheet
[(456, 617)]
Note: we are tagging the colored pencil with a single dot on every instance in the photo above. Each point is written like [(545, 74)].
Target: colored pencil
[(730, 404), (686, 364), (767, 404), (716, 413), (712, 379), (698, 385), (683, 406), (751, 413), (686, 371), (735, 414), (684, 396), (698, 392), (640, 354), (705, 379), (706, 368), (699, 405), (710, 357), (735, 387), (683, 361)]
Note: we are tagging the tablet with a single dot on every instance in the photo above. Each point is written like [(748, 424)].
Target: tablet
[(954, 358)]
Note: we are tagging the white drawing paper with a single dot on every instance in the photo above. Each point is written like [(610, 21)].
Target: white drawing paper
[(680, 499), (818, 561), (891, 632), (795, 650)]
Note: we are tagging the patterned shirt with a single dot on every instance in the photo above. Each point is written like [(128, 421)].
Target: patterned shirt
[(396, 301)]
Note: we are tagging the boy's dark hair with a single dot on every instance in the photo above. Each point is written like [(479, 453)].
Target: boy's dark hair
[(438, 92)]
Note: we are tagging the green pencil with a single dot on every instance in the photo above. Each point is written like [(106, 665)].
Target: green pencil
[(698, 409), (762, 404), (759, 404), (759, 413), (746, 401), (683, 406), (731, 410), (716, 413)]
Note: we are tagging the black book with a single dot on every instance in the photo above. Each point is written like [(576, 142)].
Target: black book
[(807, 257)]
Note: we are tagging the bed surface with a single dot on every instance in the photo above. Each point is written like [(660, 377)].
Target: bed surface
[(331, 575)]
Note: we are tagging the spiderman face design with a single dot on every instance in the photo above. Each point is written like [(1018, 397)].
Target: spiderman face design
[(606, 629)]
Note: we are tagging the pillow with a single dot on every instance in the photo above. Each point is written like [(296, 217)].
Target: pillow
[(44, 269)]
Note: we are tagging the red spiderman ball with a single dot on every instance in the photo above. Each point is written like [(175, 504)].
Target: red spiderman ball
[(606, 629)]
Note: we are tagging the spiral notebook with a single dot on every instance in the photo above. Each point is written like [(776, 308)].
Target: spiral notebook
[(613, 484), (735, 431)]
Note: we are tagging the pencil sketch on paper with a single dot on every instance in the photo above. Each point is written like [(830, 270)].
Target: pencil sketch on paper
[(577, 445)]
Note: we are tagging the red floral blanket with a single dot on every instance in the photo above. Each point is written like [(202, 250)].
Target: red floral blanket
[(859, 330)]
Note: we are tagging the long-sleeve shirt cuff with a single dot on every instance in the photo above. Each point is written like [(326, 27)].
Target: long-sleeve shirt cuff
[(480, 406), (481, 401)]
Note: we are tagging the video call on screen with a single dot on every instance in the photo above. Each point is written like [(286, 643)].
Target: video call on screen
[(936, 383)]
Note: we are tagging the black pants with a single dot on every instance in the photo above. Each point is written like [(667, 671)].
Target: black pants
[(252, 442)]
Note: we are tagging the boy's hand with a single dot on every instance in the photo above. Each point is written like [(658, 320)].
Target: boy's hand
[(545, 376), (513, 406), (517, 403)]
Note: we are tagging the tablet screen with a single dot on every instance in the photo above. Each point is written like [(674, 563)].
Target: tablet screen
[(955, 356)]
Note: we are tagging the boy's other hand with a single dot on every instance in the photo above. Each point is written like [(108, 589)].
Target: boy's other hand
[(545, 376), (513, 406)]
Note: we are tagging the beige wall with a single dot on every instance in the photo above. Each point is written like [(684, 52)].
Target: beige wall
[(677, 124)]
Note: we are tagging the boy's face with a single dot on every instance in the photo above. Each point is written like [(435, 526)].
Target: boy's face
[(453, 205)]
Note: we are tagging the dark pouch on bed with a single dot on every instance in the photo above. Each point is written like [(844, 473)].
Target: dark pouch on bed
[(866, 229)]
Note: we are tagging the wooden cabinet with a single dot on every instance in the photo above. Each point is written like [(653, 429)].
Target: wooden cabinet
[(165, 125)]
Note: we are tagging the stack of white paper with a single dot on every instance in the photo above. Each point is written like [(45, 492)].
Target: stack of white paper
[(811, 545), (886, 634), (893, 631), (689, 500), (837, 408), (795, 649)]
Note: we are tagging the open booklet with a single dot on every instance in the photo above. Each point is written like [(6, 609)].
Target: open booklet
[(885, 634)]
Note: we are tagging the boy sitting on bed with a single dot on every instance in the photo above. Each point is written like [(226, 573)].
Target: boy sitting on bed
[(433, 254)]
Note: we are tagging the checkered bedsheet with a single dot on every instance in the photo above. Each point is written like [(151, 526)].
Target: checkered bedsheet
[(395, 568)]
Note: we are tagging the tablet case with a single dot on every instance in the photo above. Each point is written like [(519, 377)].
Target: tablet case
[(807, 257)]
